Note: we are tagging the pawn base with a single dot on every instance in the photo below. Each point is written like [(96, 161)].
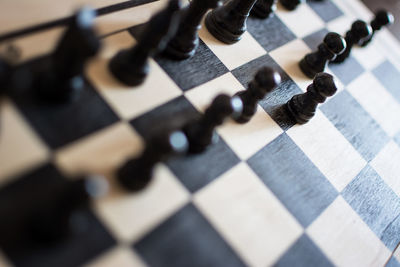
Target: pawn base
[(219, 31), (294, 115), (307, 69), (179, 53), (50, 91), (134, 177), (125, 71)]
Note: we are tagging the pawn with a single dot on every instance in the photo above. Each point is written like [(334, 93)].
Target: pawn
[(382, 18), (186, 40), (264, 8), (63, 78), (302, 107), (263, 83), (316, 62), (228, 22), (137, 173), (201, 132), (358, 33), (64, 217), (5, 70), (130, 66), (290, 4)]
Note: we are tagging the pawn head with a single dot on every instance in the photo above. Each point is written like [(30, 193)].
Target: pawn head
[(267, 78), (361, 29), (212, 3), (324, 84), (384, 17), (335, 43)]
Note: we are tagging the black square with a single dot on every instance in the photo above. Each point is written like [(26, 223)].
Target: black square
[(274, 101), (303, 253), (60, 124), (18, 202), (315, 39), (194, 171), (389, 76), (294, 179), (348, 70), (186, 239), (187, 74), (327, 10), (377, 204), (270, 33), (355, 124)]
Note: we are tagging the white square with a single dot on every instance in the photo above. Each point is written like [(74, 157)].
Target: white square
[(244, 139), (369, 57), (302, 21), (377, 101), (248, 48), (129, 102), (248, 216), (345, 239), (129, 215), (119, 256), (387, 165), (20, 147), (327, 148), (340, 25), (288, 58), (101, 152)]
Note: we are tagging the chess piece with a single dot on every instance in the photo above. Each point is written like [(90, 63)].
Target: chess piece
[(5, 70), (316, 62), (263, 83), (302, 107), (264, 8), (201, 132), (130, 66), (64, 217), (137, 173), (186, 40), (228, 22), (358, 33), (63, 77), (382, 18), (290, 4)]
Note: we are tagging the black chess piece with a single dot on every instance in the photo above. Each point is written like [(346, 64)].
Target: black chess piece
[(135, 174), (382, 18), (290, 4), (185, 42), (130, 66), (201, 132), (316, 62), (358, 32), (65, 215), (228, 22), (63, 77), (5, 69), (302, 107), (263, 83), (264, 8)]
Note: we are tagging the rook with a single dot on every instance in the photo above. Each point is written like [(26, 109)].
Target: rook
[(228, 22), (130, 66), (316, 62), (302, 107), (264, 82)]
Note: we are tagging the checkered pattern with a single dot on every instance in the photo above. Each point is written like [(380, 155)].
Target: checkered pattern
[(268, 193)]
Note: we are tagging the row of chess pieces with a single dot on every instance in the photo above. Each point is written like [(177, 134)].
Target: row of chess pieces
[(174, 32)]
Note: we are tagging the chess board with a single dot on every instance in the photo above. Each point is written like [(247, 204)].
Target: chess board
[(268, 193)]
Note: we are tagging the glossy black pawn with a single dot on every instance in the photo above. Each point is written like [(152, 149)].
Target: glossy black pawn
[(137, 173), (290, 4), (130, 66), (63, 77), (359, 31), (264, 8), (302, 107), (201, 132), (185, 42), (228, 22), (315, 62), (263, 83), (382, 18), (64, 216)]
